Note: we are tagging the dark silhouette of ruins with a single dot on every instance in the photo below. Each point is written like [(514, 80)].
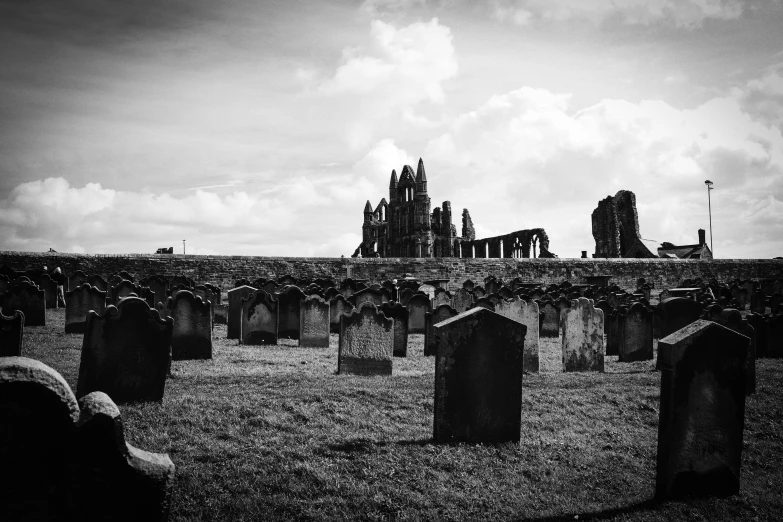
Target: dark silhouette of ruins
[(404, 226)]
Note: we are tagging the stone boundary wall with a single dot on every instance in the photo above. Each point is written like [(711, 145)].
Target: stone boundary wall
[(224, 270)]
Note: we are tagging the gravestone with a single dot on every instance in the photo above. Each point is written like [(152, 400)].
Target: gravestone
[(204, 293), (191, 337), (506, 293), (49, 286), (494, 299), (636, 333), (468, 285), (28, 299), (11, 331), (404, 296), (418, 305), (712, 312), (484, 302), (366, 342), (491, 285), (760, 326), (479, 292), (733, 320), (612, 332), (583, 337), (219, 314), (702, 411), (185, 281), (76, 280), (270, 287), (677, 312), (369, 295), (78, 303), (758, 302), (126, 352), (526, 313), (315, 322), (123, 289), (399, 314), (259, 319), (438, 315), (159, 287), (427, 290), (289, 306), (442, 297), (98, 282), (463, 300), (478, 378), (338, 306), (775, 342), (216, 297), (235, 296), (549, 320), (64, 460)]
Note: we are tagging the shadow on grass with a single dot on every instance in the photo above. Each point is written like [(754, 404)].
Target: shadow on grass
[(601, 515)]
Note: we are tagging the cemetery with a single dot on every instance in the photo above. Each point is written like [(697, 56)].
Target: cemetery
[(489, 397)]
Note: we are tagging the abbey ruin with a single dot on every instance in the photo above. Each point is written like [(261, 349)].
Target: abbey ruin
[(404, 226)]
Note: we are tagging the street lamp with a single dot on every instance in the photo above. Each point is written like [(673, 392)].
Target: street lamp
[(183, 243), (709, 206)]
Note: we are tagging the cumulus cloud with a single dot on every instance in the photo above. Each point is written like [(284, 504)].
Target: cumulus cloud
[(762, 98), (681, 13)]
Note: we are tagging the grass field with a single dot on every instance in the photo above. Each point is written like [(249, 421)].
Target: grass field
[(262, 433)]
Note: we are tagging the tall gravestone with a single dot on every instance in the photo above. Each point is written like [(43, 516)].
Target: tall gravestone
[(760, 325), (702, 411), (478, 378), (259, 319), (76, 280), (78, 303), (64, 460), (191, 337), (338, 306), (126, 353), (675, 313), (438, 315), (636, 333), (159, 287), (289, 306), (612, 332), (235, 296), (11, 331), (29, 299), (315, 322), (549, 320), (583, 337), (526, 313), (49, 286), (366, 342), (775, 339), (399, 314), (418, 305)]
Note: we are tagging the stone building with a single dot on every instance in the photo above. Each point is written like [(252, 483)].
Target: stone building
[(406, 226), (699, 251)]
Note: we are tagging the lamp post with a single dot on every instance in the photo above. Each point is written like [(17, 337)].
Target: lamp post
[(183, 243), (709, 206)]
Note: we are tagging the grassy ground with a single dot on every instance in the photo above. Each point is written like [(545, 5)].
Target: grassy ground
[(263, 433)]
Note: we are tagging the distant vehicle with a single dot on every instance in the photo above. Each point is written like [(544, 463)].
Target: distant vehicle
[(169, 250)]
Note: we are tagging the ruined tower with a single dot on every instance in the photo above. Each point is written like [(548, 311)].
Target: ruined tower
[(616, 228)]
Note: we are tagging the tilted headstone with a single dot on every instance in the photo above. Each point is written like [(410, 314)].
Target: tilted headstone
[(338, 306), (191, 337), (549, 319), (28, 299), (463, 300), (635, 326), (583, 337), (438, 315), (126, 352), (677, 312), (366, 342), (418, 305), (289, 305), (526, 313), (315, 322), (11, 331), (702, 411), (399, 314), (478, 378), (49, 286), (259, 319), (64, 460), (235, 296), (78, 303)]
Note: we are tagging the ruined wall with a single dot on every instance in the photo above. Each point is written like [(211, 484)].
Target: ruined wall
[(224, 270), (616, 228), (518, 244)]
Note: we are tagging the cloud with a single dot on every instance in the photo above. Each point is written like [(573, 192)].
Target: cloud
[(680, 13), (762, 98)]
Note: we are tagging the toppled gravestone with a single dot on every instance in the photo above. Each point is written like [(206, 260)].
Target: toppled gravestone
[(64, 460), (126, 352), (478, 378), (366, 342), (702, 411)]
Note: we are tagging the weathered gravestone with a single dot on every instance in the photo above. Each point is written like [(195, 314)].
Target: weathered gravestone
[(758, 302), (191, 337), (478, 378), (468, 285), (338, 306), (78, 303), (441, 297), (49, 286), (702, 411), (675, 313), (28, 299), (438, 315), (760, 326), (126, 353), (463, 300), (259, 319), (583, 337), (427, 290), (775, 342), (63, 462), (204, 293), (76, 280), (98, 282), (635, 326), (484, 302), (491, 285), (11, 331), (369, 295), (733, 320), (219, 314), (235, 296), (315, 322), (549, 319), (404, 296), (612, 331), (366, 342), (159, 287), (125, 288), (527, 314), (185, 281), (289, 306), (399, 314), (418, 305)]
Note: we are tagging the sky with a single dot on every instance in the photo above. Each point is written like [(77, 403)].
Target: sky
[(252, 127)]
